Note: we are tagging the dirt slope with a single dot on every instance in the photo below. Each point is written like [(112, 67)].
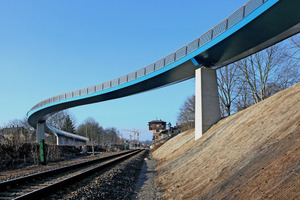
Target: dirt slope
[(254, 154)]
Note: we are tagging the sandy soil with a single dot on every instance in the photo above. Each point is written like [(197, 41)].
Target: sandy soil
[(254, 154)]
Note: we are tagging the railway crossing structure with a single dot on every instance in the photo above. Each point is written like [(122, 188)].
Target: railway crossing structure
[(255, 26)]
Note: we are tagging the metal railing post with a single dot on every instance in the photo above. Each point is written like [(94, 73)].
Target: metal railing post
[(226, 25)]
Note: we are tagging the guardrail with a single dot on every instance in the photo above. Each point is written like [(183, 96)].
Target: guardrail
[(237, 16)]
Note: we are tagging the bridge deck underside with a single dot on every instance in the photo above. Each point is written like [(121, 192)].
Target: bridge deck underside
[(278, 23)]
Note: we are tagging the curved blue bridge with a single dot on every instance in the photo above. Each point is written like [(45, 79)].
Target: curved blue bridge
[(255, 26)]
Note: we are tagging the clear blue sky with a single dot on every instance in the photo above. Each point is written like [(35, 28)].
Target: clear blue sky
[(52, 47)]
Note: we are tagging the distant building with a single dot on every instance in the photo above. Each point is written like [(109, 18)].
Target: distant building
[(157, 126), (172, 131)]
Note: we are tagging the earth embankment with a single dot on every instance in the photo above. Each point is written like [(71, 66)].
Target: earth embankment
[(253, 154)]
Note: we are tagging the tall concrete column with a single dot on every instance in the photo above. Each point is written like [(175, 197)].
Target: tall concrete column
[(59, 140), (40, 137), (40, 132), (206, 101)]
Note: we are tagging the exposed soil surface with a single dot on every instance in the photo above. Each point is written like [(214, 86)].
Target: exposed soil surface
[(254, 154)]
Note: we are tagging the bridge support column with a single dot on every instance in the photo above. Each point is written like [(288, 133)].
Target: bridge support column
[(40, 136), (59, 140), (207, 108), (40, 132)]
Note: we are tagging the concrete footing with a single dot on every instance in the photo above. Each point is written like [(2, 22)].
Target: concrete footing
[(207, 107)]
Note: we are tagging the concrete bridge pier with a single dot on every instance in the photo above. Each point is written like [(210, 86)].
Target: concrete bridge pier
[(40, 131), (59, 139), (207, 107), (40, 136)]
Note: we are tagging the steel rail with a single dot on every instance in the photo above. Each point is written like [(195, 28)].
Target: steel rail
[(43, 191)]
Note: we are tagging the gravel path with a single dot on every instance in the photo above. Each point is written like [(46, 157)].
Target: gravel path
[(145, 187)]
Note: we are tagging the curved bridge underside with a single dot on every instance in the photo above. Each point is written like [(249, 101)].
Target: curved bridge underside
[(255, 26), (66, 138)]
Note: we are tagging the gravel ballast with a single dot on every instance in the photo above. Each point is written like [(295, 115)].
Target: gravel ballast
[(118, 182), (33, 169)]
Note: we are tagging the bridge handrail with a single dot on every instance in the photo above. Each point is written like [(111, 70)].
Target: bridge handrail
[(226, 24), (67, 134)]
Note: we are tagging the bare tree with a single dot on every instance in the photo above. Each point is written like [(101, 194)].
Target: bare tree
[(92, 130), (58, 119), (28, 130), (294, 47), (61, 120), (244, 99), (111, 135), (19, 130), (229, 88), (186, 116), (268, 71)]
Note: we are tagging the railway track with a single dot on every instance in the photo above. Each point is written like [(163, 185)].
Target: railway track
[(44, 183)]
